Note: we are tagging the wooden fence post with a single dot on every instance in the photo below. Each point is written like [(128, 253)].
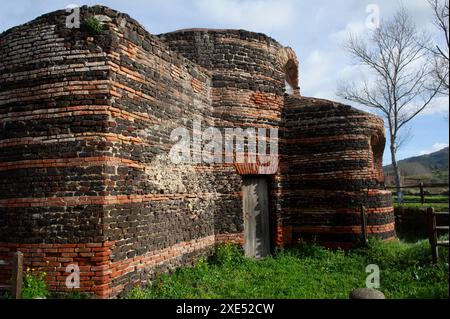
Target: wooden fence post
[(364, 225), (432, 234), (17, 275), (422, 195)]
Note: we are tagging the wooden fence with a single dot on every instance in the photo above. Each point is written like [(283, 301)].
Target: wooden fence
[(17, 275), (421, 187), (434, 231)]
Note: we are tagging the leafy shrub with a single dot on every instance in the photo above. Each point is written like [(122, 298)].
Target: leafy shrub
[(136, 293), (34, 285), (5, 295), (308, 250), (93, 26), (228, 254)]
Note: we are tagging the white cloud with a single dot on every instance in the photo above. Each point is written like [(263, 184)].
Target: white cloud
[(436, 147), (439, 106), (260, 15), (316, 68), (357, 28)]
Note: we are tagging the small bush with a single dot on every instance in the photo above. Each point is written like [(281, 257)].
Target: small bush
[(136, 293), (306, 250), (5, 295), (34, 285), (93, 26), (228, 254)]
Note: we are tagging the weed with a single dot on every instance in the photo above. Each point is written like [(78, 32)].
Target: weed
[(93, 26), (34, 285)]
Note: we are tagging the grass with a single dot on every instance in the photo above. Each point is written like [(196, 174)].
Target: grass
[(440, 176), (439, 207), (306, 272), (429, 199), (439, 202)]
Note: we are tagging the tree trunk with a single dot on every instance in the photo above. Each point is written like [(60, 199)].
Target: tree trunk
[(396, 168)]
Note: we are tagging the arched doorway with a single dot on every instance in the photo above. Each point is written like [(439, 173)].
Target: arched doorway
[(377, 145), (291, 78), (290, 67)]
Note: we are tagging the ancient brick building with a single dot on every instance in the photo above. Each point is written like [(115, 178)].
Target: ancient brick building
[(85, 127)]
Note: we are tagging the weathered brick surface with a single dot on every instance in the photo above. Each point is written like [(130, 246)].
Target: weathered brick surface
[(331, 165), (249, 71), (85, 125)]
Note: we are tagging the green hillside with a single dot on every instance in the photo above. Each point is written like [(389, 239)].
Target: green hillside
[(431, 168)]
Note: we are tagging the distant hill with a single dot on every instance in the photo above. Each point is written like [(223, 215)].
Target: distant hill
[(426, 168)]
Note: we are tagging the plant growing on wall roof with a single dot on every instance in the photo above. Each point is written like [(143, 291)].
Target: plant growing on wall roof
[(93, 26)]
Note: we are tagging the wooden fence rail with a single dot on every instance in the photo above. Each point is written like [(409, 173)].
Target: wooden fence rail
[(17, 275), (437, 185), (434, 230), (421, 188)]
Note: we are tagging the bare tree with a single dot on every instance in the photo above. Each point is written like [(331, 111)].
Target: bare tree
[(440, 51), (396, 54)]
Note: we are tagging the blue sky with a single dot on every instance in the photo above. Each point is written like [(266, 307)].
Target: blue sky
[(315, 29)]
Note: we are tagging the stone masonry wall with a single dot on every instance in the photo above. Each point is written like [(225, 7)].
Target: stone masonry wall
[(86, 124), (249, 71), (162, 207), (331, 163), (54, 106)]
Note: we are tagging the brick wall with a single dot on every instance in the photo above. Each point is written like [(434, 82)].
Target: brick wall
[(91, 258), (330, 168), (84, 144), (54, 106), (249, 71)]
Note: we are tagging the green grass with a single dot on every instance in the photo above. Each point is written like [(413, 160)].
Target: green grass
[(430, 199), (440, 176), (306, 272), (439, 207), (439, 202)]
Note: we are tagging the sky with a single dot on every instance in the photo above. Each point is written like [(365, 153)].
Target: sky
[(315, 29)]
